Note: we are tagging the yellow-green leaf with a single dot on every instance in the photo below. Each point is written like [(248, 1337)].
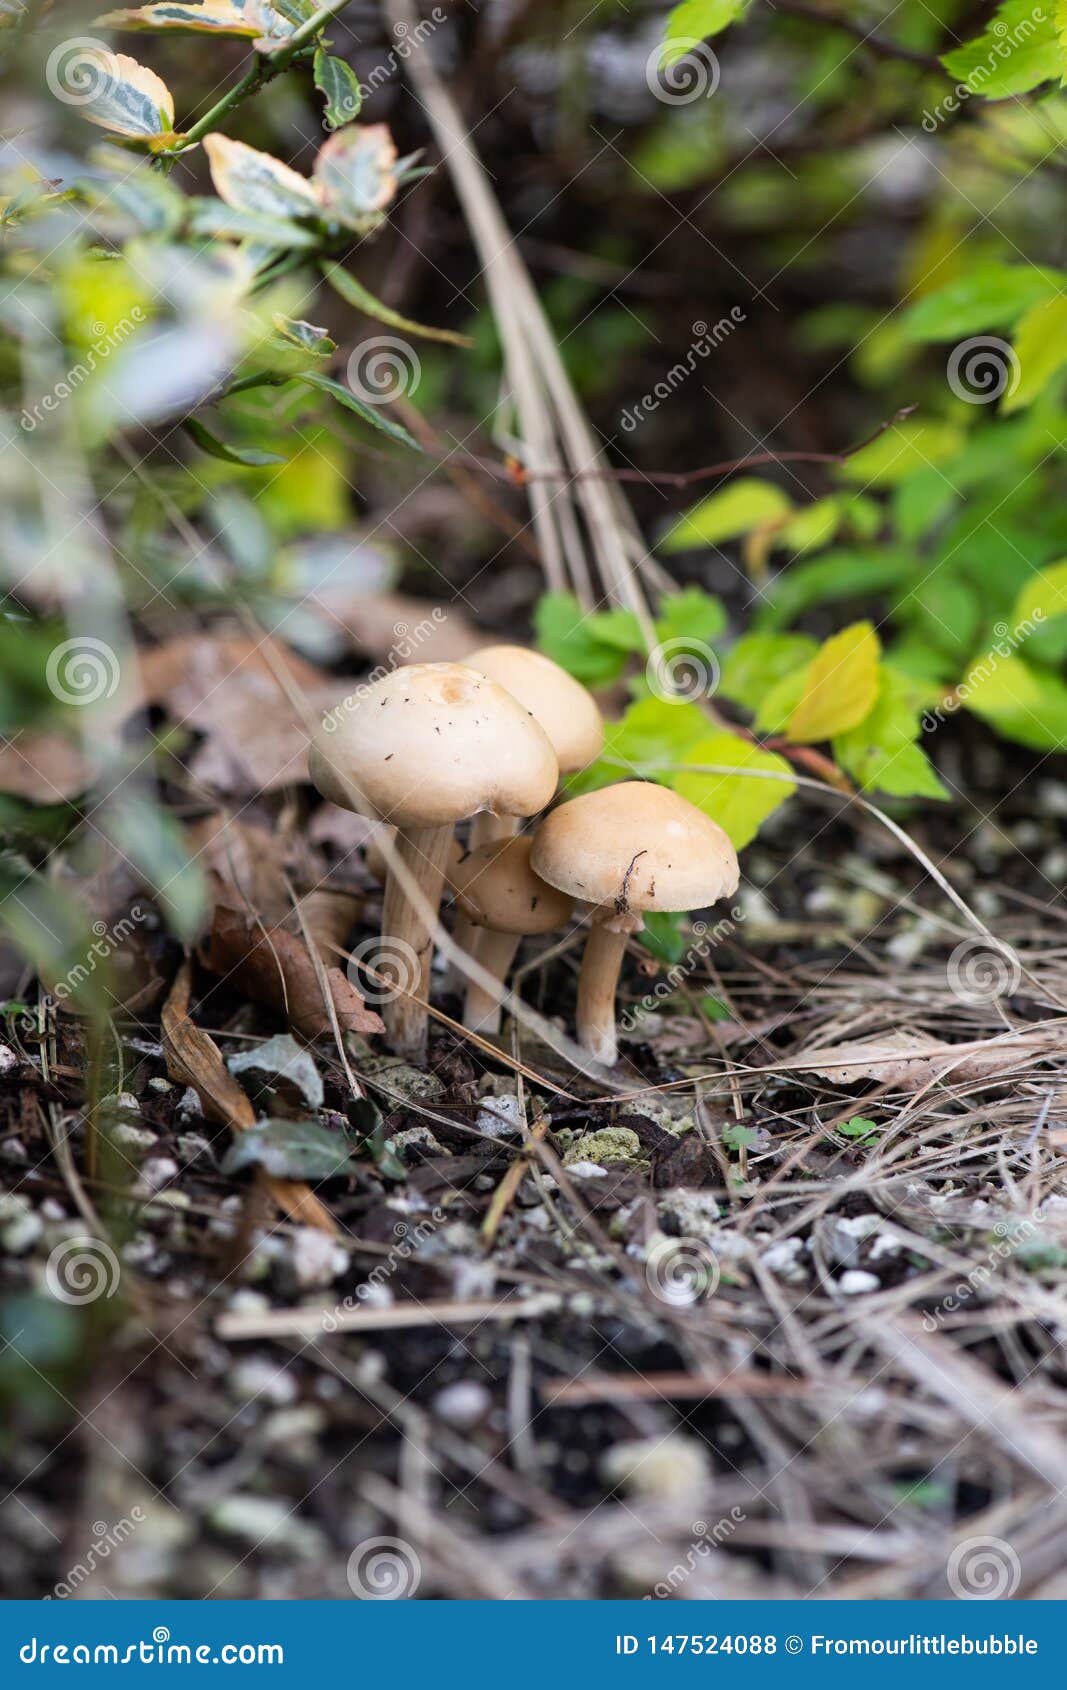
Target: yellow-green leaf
[(842, 685), (1045, 594), (355, 173), (1041, 348), (251, 18), (249, 180), (912, 444), (354, 293), (739, 803), (128, 98), (735, 510)]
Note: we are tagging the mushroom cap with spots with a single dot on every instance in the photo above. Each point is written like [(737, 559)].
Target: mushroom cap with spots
[(495, 887), (635, 847), (564, 708), (432, 744)]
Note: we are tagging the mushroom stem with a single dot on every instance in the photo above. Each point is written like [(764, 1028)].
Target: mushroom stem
[(486, 827), (597, 982), (407, 943), (496, 953)]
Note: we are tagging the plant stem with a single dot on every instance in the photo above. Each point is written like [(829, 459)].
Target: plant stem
[(264, 68)]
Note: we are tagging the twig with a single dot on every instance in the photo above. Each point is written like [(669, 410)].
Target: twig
[(879, 45)]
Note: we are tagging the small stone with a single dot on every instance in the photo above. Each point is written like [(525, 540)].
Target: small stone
[(156, 1173), (463, 1404), (130, 1137), (587, 1170), (501, 1117), (193, 1147), (258, 1377), (189, 1104), (315, 1257), (158, 1083), (783, 1259), (20, 1228), (9, 1059), (610, 1144), (13, 1150), (856, 1282), (267, 1524)]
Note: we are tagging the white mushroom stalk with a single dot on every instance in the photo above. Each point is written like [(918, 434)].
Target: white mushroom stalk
[(625, 850), (504, 900), (423, 748)]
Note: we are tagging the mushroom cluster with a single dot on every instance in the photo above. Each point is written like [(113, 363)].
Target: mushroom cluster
[(433, 745)]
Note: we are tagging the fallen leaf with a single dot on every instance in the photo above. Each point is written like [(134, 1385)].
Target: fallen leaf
[(902, 1059), (275, 968), (291, 1150), (194, 1059)]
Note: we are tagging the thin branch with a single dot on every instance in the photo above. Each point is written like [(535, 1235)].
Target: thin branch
[(879, 45), (264, 68)]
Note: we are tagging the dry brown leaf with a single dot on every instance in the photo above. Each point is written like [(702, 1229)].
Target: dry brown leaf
[(248, 861), (275, 968), (392, 628), (902, 1059), (194, 1059)]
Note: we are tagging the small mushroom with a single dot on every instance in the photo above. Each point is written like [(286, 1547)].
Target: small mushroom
[(496, 889), (625, 850), (425, 747)]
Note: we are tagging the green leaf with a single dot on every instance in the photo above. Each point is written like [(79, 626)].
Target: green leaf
[(696, 20), (1017, 51), (339, 86), (591, 647), (813, 526), (739, 803), (369, 413), (1043, 597), (355, 173), (881, 753), (250, 18), (250, 456), (910, 445), (306, 336), (354, 293), (249, 180), (691, 614), (302, 1150), (946, 609), (1019, 700), (841, 685), (128, 98), (986, 296), (1041, 348), (758, 662), (838, 575), (662, 935), (155, 844), (777, 705), (212, 217), (733, 511), (859, 1127)]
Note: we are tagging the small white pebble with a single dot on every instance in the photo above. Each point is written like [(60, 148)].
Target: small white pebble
[(156, 1172), (8, 1059), (856, 1281), (130, 1137), (463, 1404), (587, 1170), (14, 1151)]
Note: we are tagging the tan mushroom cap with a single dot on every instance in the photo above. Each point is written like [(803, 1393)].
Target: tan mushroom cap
[(431, 744), (635, 847), (495, 887), (563, 707)]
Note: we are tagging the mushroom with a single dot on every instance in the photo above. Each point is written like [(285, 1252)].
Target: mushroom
[(496, 889), (425, 747), (557, 702), (625, 850)]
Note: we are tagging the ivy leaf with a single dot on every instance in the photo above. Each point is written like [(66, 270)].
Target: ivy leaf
[(253, 181), (130, 99), (1017, 51), (758, 662), (739, 803), (370, 413), (302, 1150), (881, 753), (726, 515), (251, 457), (354, 293), (339, 85), (1041, 348), (841, 685)]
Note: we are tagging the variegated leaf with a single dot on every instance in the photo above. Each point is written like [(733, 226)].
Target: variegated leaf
[(355, 172), (339, 85), (128, 98), (249, 18), (249, 180)]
